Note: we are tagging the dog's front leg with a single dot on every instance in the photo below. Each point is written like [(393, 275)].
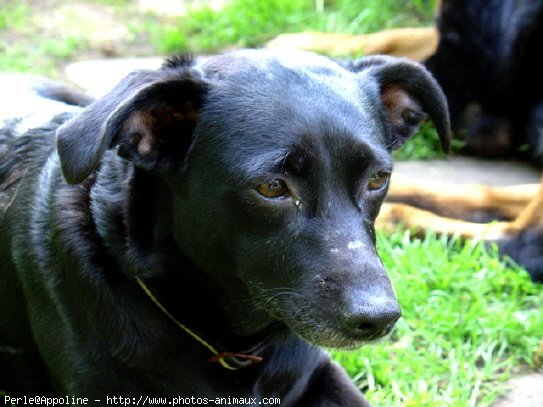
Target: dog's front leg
[(331, 387)]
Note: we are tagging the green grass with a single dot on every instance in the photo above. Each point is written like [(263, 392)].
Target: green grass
[(114, 3), (425, 145), (13, 15), (42, 58), (469, 321), (24, 48)]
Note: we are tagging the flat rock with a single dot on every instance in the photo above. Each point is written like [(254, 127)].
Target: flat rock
[(98, 76), (467, 170), (524, 391)]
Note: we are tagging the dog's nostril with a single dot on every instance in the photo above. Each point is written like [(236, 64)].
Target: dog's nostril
[(369, 330), (366, 327), (372, 322)]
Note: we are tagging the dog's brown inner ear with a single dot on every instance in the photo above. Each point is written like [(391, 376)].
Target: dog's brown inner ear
[(404, 113), (408, 92), (156, 136), (154, 129), (139, 127)]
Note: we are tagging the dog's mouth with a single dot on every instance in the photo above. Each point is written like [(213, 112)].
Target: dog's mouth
[(322, 328), (331, 335)]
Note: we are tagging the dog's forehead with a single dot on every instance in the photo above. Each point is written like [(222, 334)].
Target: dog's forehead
[(263, 105), (266, 60), (290, 84), (278, 71)]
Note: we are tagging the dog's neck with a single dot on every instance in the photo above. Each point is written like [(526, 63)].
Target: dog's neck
[(139, 214)]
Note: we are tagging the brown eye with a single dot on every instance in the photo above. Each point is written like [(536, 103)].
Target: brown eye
[(378, 180), (273, 188)]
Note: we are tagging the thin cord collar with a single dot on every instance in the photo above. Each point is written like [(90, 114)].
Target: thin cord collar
[(228, 360)]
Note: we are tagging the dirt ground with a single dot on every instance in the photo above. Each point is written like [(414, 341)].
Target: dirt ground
[(44, 35)]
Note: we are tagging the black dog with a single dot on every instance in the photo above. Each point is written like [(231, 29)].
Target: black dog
[(489, 64), (199, 219)]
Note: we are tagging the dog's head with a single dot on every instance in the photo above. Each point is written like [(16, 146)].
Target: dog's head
[(278, 164)]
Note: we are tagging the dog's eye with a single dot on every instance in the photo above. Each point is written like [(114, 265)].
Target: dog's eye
[(273, 188), (378, 180)]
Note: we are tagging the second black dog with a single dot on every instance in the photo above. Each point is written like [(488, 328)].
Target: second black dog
[(488, 63)]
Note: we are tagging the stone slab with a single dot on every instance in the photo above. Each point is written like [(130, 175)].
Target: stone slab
[(467, 170), (98, 76), (524, 391)]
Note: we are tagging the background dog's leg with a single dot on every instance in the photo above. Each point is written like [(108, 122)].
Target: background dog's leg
[(455, 199), (419, 220), (532, 214), (415, 43)]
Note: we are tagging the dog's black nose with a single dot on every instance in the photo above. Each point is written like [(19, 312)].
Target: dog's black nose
[(372, 320)]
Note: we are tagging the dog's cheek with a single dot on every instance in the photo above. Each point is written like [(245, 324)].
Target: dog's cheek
[(235, 228), (269, 262), (256, 217), (372, 206)]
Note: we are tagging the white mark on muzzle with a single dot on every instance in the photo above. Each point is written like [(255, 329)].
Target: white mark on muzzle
[(355, 244)]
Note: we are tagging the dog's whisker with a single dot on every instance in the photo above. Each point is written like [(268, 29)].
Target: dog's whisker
[(273, 298), (299, 311), (264, 294)]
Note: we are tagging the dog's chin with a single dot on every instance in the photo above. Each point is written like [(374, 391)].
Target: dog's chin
[(329, 338), (323, 334)]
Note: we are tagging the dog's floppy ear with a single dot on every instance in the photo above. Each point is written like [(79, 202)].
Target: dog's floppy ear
[(150, 116), (408, 93)]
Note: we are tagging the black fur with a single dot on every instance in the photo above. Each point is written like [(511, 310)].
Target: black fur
[(488, 63), (525, 249), (157, 180), (61, 93)]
